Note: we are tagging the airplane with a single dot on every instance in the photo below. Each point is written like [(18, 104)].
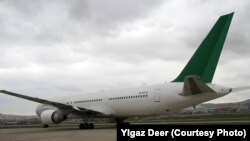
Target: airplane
[(191, 87)]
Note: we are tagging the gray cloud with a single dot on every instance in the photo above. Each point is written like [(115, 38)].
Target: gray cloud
[(61, 47)]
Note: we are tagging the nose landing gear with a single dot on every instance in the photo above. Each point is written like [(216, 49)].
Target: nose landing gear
[(86, 125)]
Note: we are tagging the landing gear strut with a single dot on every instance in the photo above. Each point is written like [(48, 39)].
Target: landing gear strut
[(86, 125), (120, 122), (45, 126)]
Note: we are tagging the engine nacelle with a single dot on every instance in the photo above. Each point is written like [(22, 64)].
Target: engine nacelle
[(52, 117)]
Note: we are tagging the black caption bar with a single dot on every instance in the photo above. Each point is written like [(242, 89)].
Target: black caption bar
[(181, 132)]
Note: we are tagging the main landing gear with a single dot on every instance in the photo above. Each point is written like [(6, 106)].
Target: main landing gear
[(45, 125), (121, 122), (86, 125)]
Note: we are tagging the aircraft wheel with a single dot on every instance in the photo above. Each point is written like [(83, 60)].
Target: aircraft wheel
[(91, 126), (45, 126), (81, 126)]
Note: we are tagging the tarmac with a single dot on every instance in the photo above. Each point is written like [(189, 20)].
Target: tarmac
[(57, 134)]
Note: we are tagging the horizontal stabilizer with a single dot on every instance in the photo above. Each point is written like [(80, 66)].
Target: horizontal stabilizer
[(194, 85), (239, 89)]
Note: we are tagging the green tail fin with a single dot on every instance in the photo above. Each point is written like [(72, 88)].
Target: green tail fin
[(204, 61)]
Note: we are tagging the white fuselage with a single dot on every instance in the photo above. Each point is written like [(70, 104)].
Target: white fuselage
[(141, 101)]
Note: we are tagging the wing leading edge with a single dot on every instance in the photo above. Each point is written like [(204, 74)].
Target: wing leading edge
[(61, 106)]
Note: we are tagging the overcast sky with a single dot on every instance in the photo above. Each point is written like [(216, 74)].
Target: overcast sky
[(66, 47)]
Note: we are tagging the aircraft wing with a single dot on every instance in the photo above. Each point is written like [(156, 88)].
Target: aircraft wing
[(80, 111)]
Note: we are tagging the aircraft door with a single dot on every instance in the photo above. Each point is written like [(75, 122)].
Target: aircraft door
[(157, 95)]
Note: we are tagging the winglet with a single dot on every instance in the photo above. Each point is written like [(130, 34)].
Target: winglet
[(204, 61)]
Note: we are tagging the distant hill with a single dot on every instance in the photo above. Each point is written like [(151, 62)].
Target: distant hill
[(245, 102), (18, 119), (242, 106)]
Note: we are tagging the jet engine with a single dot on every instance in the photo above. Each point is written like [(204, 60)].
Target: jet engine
[(52, 117)]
